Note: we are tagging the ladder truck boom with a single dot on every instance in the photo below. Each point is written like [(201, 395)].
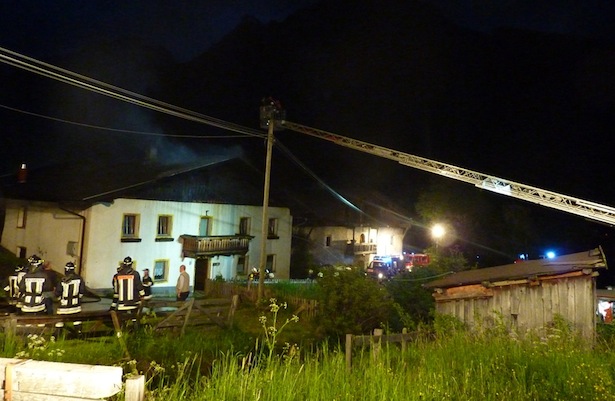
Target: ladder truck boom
[(590, 210)]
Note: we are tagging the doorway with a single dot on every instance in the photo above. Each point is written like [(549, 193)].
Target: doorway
[(201, 274)]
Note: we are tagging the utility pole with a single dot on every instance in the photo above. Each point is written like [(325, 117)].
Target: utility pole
[(270, 111)]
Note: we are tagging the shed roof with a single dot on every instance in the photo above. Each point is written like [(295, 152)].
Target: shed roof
[(591, 259)]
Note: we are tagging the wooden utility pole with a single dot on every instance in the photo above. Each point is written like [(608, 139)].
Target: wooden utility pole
[(265, 225), (270, 110)]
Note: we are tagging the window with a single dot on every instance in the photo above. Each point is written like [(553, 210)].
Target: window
[(270, 263), (328, 240), (164, 227), (244, 226), (205, 227), (161, 270), (21, 217), (21, 252), (242, 265), (272, 229), (130, 228)]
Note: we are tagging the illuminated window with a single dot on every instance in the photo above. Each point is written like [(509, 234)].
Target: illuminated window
[(165, 225), (130, 227), (21, 217), (161, 270), (272, 229), (244, 226), (270, 263)]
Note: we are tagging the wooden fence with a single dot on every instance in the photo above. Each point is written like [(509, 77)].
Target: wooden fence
[(305, 308), (375, 342), (218, 312), (14, 323)]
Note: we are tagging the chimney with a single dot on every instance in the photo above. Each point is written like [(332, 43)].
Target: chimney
[(22, 174)]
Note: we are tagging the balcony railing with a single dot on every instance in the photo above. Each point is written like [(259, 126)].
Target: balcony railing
[(215, 245), (361, 249)]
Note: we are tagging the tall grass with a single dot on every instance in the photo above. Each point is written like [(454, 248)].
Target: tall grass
[(458, 366), (449, 364)]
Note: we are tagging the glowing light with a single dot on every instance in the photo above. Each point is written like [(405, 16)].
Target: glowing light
[(550, 254), (438, 231)]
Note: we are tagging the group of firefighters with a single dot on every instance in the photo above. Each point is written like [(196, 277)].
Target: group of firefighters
[(32, 288)]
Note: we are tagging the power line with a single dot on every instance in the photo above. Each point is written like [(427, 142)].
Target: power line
[(117, 129), (62, 75)]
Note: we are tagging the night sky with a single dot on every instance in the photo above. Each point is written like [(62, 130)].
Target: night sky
[(561, 153)]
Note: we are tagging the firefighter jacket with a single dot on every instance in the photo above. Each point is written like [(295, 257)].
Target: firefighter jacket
[(127, 290), (12, 287), (31, 289), (69, 291)]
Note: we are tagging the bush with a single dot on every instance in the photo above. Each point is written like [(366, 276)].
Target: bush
[(415, 303), (351, 303)]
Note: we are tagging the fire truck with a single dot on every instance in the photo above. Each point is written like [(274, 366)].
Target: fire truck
[(415, 260)]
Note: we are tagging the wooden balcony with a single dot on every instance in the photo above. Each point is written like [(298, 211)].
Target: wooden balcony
[(215, 245), (361, 249)]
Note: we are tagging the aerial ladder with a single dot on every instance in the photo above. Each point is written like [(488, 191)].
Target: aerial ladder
[(587, 209)]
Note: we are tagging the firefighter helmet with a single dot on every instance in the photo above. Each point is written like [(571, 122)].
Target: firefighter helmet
[(35, 262), (20, 268), (127, 261), (70, 267)]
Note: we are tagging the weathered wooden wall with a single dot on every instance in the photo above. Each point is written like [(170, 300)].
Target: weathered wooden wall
[(525, 305)]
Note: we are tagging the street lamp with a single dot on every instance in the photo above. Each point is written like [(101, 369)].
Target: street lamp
[(437, 232)]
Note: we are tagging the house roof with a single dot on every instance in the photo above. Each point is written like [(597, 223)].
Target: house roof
[(233, 181), (591, 259), (606, 295)]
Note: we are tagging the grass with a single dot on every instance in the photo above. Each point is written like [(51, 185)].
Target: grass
[(448, 364), (460, 367)]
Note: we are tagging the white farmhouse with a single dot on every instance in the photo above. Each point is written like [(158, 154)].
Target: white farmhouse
[(354, 245), (211, 238)]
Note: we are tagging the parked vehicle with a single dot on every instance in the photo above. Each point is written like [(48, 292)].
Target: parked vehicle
[(384, 267)]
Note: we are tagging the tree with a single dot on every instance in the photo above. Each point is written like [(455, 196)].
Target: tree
[(351, 303)]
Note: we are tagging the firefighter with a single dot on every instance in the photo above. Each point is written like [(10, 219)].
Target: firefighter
[(127, 291), (32, 285), (50, 287), (12, 287), (69, 291)]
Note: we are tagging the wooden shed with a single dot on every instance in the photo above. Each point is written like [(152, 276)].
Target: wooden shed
[(525, 295)]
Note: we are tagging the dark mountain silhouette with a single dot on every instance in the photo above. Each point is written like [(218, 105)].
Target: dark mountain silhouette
[(398, 74)]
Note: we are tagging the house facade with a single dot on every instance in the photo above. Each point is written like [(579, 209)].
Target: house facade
[(211, 239), (525, 296), (356, 246)]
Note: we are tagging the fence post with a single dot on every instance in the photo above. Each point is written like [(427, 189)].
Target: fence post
[(348, 352), (403, 339), (117, 324), (377, 343), (135, 388)]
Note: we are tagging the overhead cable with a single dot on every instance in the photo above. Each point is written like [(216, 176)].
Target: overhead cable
[(62, 75), (117, 129)]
